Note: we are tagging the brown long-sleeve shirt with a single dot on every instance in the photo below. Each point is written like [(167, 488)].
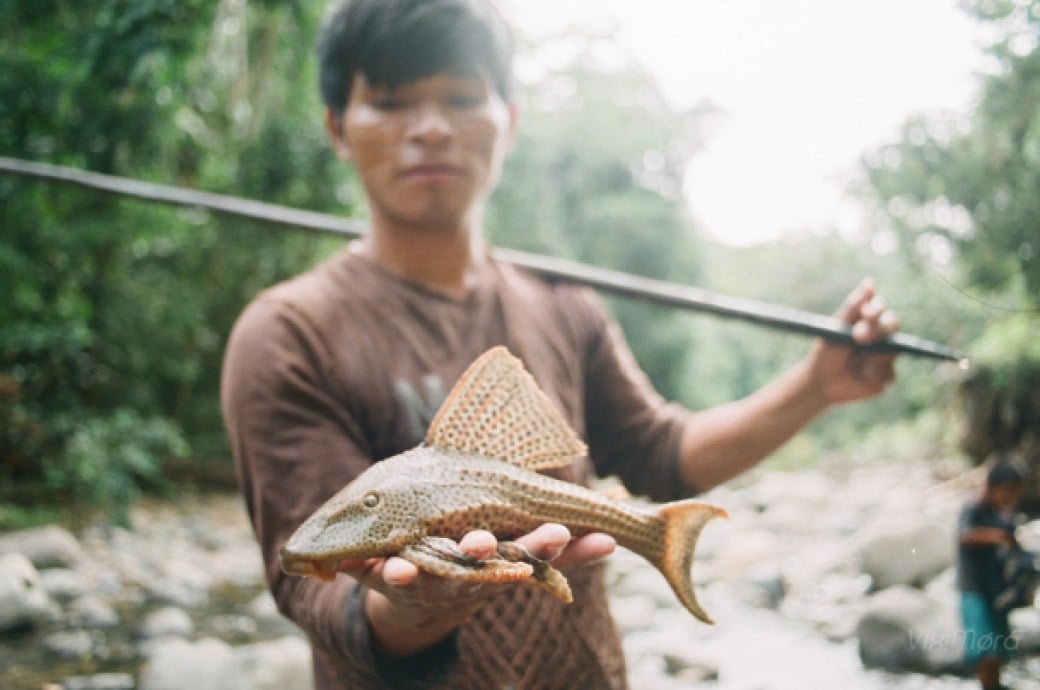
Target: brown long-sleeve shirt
[(346, 365)]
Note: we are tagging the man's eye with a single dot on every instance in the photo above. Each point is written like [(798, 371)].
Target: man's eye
[(388, 103)]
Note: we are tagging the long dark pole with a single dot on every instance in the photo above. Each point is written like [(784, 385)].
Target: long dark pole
[(615, 282)]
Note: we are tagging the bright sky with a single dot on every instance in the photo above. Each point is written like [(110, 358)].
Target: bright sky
[(805, 88)]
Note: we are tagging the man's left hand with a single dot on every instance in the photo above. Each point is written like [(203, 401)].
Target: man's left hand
[(847, 373)]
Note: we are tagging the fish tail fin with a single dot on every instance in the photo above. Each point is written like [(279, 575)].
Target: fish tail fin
[(683, 522)]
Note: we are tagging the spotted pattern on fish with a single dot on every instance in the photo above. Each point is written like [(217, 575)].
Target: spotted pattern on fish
[(476, 470)]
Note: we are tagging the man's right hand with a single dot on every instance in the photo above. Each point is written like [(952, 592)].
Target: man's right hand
[(409, 609)]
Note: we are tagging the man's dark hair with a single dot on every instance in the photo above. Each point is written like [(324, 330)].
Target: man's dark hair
[(1003, 472), (392, 42)]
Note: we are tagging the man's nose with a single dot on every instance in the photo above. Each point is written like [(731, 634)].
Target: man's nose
[(430, 123)]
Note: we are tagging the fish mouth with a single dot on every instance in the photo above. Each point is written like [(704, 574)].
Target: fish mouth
[(323, 569)]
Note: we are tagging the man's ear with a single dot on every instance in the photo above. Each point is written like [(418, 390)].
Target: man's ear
[(337, 134)]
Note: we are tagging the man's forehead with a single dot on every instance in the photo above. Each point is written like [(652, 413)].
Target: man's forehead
[(452, 74)]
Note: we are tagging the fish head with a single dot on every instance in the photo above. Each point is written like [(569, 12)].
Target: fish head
[(376, 515)]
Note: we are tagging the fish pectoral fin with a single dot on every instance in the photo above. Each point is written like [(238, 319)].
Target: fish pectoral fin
[(442, 556), (543, 575)]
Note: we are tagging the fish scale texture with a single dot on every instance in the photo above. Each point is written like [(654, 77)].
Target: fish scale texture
[(474, 492)]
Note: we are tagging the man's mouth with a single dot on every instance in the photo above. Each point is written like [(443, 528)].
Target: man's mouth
[(431, 172)]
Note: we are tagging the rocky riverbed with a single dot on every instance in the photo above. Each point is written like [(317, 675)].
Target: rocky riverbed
[(825, 579)]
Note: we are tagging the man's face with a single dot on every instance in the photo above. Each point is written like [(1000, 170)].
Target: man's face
[(428, 151)]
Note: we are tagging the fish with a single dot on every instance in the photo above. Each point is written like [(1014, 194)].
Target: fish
[(478, 468)]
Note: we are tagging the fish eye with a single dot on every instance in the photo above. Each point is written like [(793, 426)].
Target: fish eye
[(371, 500)]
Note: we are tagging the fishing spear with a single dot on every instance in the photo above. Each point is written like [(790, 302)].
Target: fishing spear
[(619, 283)]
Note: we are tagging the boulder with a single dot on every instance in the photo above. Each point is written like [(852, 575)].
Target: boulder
[(1025, 626), (90, 611), (810, 490), (740, 555), (269, 620), (47, 547), (903, 629), (282, 664), (73, 644), (23, 601), (633, 612), (167, 622), (63, 584), (907, 552), (99, 681), (208, 664)]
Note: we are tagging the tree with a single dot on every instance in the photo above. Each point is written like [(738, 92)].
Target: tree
[(110, 343), (964, 197)]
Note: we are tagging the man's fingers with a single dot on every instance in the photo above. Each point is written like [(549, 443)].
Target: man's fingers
[(552, 542), (873, 308), (585, 550), (479, 544), (547, 541), (849, 311), (889, 322), (399, 572)]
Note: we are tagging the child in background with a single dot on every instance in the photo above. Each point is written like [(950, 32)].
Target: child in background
[(986, 528)]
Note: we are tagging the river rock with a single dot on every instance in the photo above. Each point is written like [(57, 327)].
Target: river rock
[(630, 574), (23, 600), (174, 593), (92, 612), (72, 644), (1028, 536), (633, 611), (903, 629), (808, 490), (232, 627), (668, 656), (282, 664), (168, 621), (263, 609), (46, 547), (763, 585), (1025, 625), (907, 552), (63, 584), (99, 681), (208, 664), (740, 554)]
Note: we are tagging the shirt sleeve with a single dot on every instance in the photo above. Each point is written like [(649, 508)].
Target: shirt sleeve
[(295, 442), (633, 432)]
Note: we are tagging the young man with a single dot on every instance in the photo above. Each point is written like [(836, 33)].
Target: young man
[(346, 364), (986, 526)]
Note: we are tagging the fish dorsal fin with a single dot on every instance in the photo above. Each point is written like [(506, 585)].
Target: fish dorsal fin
[(497, 410)]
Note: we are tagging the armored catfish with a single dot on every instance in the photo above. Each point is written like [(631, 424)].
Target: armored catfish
[(478, 469)]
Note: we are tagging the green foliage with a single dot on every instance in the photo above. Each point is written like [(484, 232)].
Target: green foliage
[(975, 185), (107, 460), (1008, 348), (112, 336), (963, 198)]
